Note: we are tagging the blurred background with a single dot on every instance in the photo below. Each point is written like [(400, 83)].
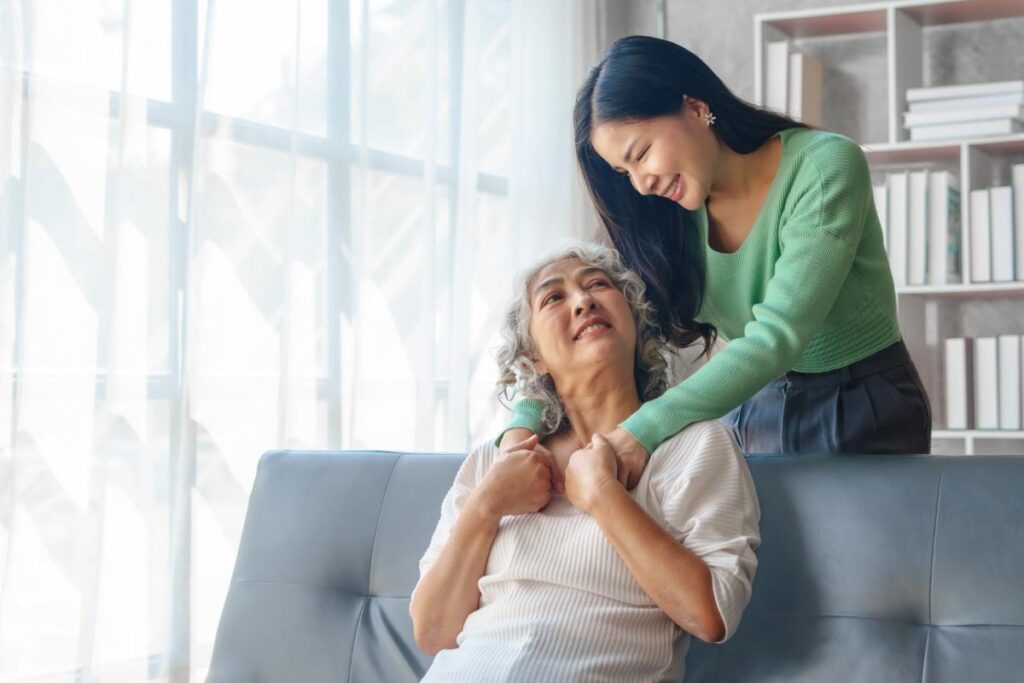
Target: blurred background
[(229, 227)]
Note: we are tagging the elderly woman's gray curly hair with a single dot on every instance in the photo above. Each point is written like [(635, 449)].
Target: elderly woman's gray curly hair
[(517, 374)]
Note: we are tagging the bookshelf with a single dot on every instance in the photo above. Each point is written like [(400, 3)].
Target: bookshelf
[(928, 313)]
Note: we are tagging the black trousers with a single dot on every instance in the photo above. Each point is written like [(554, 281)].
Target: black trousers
[(876, 405)]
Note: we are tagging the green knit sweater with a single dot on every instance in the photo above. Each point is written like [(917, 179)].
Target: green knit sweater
[(809, 290)]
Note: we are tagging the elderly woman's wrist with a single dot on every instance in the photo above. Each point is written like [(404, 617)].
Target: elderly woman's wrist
[(604, 494), (483, 507)]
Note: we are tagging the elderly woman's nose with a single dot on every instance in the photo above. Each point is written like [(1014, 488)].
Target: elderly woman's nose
[(585, 303)]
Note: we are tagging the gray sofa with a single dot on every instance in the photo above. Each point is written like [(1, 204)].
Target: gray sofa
[(872, 568)]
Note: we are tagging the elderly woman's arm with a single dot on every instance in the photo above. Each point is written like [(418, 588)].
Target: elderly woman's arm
[(676, 579), (697, 563), (448, 592)]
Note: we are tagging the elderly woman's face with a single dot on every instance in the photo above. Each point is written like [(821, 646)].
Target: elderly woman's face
[(578, 317)]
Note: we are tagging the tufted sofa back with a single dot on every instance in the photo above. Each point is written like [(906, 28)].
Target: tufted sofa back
[(872, 568)]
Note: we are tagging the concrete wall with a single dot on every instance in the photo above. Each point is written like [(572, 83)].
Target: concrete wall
[(721, 32)]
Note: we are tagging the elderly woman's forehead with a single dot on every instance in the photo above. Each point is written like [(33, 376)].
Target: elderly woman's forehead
[(566, 267)]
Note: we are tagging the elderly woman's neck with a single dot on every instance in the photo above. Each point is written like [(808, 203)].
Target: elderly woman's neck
[(599, 409)]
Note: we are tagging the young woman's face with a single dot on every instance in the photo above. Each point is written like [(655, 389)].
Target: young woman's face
[(669, 156), (579, 320)]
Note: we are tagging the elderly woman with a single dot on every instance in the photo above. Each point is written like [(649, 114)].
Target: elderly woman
[(543, 567)]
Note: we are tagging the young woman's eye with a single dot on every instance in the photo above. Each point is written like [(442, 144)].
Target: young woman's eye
[(642, 154)]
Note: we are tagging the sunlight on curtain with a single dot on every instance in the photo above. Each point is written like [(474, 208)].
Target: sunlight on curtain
[(228, 229)]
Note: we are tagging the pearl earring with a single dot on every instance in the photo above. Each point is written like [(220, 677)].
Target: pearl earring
[(709, 119)]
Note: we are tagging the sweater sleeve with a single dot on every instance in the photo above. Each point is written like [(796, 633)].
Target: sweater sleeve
[(819, 240), (526, 415)]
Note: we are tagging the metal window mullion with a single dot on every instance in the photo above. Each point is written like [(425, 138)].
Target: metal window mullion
[(339, 295), (182, 442)]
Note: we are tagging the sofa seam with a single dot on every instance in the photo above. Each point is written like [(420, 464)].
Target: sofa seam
[(924, 659), (935, 534), (355, 637), (376, 526), (882, 619)]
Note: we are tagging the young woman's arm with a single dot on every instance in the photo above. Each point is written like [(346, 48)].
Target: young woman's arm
[(820, 234)]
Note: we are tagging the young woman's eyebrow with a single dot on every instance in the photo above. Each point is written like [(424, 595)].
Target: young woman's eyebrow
[(629, 150)]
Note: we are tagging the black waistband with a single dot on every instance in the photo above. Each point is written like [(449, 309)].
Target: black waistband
[(892, 356)]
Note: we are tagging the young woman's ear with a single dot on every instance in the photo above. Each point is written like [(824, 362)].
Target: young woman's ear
[(699, 107)]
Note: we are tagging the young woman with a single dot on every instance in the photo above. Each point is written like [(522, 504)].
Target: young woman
[(745, 223), (542, 566)]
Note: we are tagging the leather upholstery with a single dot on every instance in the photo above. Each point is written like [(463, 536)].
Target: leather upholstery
[(872, 568)]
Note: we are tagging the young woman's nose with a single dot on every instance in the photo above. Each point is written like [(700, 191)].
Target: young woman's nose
[(647, 184)]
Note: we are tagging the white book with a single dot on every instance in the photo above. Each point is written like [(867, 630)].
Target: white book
[(944, 234), (1018, 217), (880, 193), (980, 232), (966, 102), (1009, 381), (969, 90), (898, 191), (1000, 201), (931, 118), (804, 89), (776, 76), (959, 375), (917, 229), (986, 383), (946, 131)]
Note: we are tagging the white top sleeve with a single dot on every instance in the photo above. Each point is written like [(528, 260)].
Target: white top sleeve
[(472, 470), (710, 505)]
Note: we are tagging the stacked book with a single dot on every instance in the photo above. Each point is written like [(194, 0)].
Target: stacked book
[(996, 228), (984, 382), (792, 83), (919, 212), (965, 111)]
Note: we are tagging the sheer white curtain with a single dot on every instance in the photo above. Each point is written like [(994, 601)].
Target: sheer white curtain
[(228, 228)]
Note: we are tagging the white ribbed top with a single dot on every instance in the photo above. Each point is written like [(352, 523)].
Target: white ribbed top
[(556, 601)]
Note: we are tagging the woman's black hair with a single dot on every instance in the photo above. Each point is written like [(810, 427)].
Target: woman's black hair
[(640, 77)]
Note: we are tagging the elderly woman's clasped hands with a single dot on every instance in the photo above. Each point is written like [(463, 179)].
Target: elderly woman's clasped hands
[(527, 475)]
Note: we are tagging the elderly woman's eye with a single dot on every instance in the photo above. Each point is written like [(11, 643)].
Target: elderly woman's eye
[(599, 283), (549, 298)]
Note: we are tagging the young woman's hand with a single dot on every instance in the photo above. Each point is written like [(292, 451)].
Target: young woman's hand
[(521, 480), (589, 471), (631, 455)]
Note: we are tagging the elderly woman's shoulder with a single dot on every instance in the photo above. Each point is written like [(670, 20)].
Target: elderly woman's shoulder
[(483, 454), (709, 440)]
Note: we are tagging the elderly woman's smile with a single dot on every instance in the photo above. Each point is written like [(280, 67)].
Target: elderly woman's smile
[(579, 321), (592, 326)]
